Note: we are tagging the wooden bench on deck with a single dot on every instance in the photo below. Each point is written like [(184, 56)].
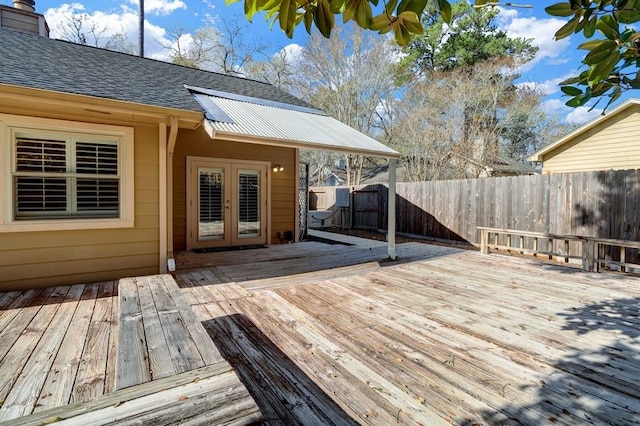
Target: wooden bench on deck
[(593, 252)]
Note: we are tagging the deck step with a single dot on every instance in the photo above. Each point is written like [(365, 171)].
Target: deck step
[(207, 395)]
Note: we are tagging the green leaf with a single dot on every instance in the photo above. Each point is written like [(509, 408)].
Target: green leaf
[(560, 9), (391, 6), (287, 16), (574, 102), (416, 5), (250, 8), (567, 29), (571, 80), (363, 13), (608, 26), (445, 10), (627, 16), (308, 19), (593, 44), (571, 91), (590, 27), (402, 35), (324, 18), (602, 70), (601, 89), (379, 22), (600, 53)]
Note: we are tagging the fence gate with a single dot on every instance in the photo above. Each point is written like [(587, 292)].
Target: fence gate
[(366, 209), (303, 199)]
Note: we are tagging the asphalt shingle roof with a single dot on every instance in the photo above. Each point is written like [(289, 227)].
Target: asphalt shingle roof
[(38, 62)]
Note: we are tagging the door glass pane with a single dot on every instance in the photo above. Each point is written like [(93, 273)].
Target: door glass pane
[(248, 203), (211, 203)]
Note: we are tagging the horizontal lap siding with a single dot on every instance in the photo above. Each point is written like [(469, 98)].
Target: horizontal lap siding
[(198, 143), (614, 144), (43, 259)]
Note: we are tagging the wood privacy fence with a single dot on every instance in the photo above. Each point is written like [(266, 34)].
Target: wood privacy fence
[(594, 204)]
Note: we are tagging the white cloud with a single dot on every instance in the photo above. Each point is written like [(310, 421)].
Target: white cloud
[(540, 30), (160, 7), (581, 115), (547, 87), (578, 116), (123, 21)]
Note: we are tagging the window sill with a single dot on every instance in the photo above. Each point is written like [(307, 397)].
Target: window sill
[(64, 225)]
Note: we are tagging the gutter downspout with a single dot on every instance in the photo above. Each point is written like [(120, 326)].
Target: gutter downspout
[(171, 145), (162, 196), (391, 215)]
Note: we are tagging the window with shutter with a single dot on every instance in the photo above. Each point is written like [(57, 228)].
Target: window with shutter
[(58, 178), (55, 175)]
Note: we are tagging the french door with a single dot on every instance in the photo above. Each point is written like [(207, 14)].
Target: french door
[(226, 203)]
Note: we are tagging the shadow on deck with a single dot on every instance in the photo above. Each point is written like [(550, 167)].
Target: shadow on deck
[(283, 392)]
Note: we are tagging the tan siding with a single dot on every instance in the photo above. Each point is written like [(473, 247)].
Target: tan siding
[(613, 144), (38, 259), (198, 143)]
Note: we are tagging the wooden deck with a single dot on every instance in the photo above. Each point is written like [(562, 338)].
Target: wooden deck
[(443, 336), (333, 334)]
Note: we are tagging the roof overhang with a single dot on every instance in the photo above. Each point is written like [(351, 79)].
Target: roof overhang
[(252, 120), (539, 155), (83, 106)]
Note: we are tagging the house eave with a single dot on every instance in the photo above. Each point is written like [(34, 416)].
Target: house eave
[(90, 106), (538, 156)]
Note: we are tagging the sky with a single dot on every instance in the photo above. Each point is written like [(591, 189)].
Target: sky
[(554, 62)]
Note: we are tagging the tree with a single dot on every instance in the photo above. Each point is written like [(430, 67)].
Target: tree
[(279, 70), (460, 91), (349, 76), (81, 28), (224, 50), (194, 51), (612, 62), (470, 37)]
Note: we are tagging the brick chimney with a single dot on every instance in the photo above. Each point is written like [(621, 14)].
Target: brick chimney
[(22, 17)]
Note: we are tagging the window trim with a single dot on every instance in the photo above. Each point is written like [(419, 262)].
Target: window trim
[(10, 124)]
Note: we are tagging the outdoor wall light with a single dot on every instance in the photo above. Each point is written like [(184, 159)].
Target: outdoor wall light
[(277, 168)]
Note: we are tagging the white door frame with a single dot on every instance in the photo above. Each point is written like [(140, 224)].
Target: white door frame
[(231, 167)]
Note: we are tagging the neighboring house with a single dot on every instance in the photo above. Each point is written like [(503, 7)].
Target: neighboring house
[(329, 178), (111, 162), (609, 142)]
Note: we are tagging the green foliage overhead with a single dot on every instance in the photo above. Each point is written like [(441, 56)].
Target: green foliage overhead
[(612, 58), (400, 16)]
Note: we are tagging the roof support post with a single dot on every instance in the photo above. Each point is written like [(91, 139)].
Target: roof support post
[(391, 216)]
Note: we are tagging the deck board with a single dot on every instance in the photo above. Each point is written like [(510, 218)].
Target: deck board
[(91, 377), (331, 334), (443, 335), (61, 377)]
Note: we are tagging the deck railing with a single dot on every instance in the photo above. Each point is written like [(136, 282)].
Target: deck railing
[(595, 254)]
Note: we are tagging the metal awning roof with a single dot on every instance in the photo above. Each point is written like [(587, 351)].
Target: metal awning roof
[(256, 120)]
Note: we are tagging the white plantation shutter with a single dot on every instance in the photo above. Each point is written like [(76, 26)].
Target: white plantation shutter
[(40, 188), (102, 193), (66, 177)]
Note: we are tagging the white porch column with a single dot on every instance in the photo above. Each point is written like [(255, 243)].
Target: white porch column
[(391, 219)]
